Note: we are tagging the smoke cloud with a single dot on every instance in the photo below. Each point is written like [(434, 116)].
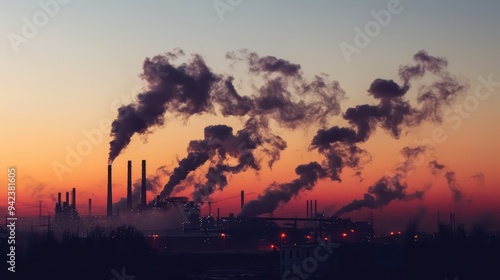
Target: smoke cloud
[(390, 188), (458, 194), (393, 113), (277, 194), (279, 94), (192, 88), (219, 146)]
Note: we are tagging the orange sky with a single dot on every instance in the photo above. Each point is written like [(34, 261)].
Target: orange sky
[(68, 80)]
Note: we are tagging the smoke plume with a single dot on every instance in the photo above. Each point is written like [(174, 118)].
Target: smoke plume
[(391, 187), (192, 88), (458, 194), (393, 113), (277, 194), (219, 146)]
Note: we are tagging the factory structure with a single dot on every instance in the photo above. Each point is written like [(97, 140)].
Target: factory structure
[(210, 231)]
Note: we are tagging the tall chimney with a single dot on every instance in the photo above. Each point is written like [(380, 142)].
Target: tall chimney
[(129, 186), (73, 199), (90, 208), (242, 198), (110, 195), (315, 208), (59, 199), (67, 199), (307, 209), (143, 185)]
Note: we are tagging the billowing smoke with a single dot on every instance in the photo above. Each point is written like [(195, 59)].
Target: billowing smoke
[(338, 146), (284, 95), (390, 188), (219, 146), (192, 88), (216, 176), (184, 90), (393, 113), (458, 194), (479, 177), (277, 194), (153, 185), (199, 151)]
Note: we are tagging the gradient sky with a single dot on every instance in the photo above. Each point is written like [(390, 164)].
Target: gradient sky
[(70, 76)]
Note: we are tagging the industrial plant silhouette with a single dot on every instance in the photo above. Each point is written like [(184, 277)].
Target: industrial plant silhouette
[(167, 237), (131, 242)]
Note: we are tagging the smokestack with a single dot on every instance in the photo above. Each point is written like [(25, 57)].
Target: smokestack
[(59, 199), (307, 208), (242, 199), (90, 208), (143, 186), (73, 198), (67, 199), (110, 195), (315, 208), (129, 186)]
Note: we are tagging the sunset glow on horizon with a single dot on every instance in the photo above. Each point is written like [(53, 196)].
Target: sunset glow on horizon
[(61, 92)]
